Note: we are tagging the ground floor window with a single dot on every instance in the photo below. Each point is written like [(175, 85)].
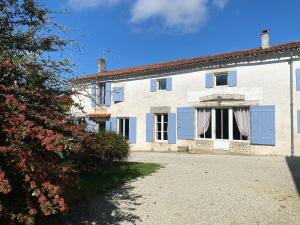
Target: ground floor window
[(241, 124), (101, 126), (223, 123), (161, 127), (204, 122), (80, 120), (123, 127)]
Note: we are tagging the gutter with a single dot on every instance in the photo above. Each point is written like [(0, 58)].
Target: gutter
[(292, 104)]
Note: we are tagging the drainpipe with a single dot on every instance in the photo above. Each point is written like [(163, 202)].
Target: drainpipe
[(292, 105)]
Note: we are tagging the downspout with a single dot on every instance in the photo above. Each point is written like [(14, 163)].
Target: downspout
[(292, 105)]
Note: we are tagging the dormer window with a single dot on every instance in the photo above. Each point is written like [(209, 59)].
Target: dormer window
[(162, 84), (221, 79)]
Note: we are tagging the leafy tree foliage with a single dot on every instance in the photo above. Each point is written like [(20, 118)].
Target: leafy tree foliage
[(36, 132)]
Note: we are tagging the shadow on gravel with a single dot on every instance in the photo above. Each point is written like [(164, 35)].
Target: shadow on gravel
[(294, 166), (104, 209)]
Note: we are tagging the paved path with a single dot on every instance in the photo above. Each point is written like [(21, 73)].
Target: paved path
[(203, 189)]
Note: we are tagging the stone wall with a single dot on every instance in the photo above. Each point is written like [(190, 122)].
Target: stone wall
[(240, 147), (202, 145)]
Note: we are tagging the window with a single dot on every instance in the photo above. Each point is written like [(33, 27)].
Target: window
[(101, 94), (123, 127), (221, 79), (241, 124), (162, 127), (204, 123), (162, 84), (80, 120), (101, 126)]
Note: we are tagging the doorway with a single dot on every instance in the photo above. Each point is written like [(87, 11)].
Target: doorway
[(221, 129)]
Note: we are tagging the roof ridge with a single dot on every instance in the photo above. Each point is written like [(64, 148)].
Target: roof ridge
[(197, 59)]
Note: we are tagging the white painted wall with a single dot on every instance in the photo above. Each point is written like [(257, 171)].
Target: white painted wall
[(267, 84)]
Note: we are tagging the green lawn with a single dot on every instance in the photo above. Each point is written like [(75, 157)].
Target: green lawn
[(92, 184)]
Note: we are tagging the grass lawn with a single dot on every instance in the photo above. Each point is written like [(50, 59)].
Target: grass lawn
[(92, 184)]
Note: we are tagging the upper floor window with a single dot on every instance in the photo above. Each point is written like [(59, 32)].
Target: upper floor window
[(162, 84), (221, 79), (101, 94)]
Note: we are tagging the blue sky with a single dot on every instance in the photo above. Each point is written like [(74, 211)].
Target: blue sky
[(137, 32)]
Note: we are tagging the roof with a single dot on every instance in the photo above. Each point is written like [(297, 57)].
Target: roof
[(98, 115), (218, 58)]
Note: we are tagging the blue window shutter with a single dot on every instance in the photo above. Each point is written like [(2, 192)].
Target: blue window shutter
[(118, 94), (90, 125), (169, 84), (132, 130), (298, 122), (209, 80), (298, 79), (149, 127), (263, 125), (232, 79), (93, 95), (185, 123), (121, 90), (152, 85), (108, 126), (107, 93), (172, 128), (99, 94), (113, 124)]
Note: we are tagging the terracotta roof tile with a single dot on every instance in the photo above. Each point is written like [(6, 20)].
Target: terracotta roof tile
[(98, 115), (282, 48)]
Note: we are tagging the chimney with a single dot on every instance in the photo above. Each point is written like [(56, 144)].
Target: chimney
[(265, 38), (101, 65)]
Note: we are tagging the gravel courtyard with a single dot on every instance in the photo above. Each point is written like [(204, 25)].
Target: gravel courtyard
[(202, 189)]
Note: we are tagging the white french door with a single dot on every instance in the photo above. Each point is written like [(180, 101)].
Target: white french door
[(221, 119)]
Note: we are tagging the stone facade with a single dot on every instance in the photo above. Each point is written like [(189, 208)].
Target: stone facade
[(202, 145), (240, 147)]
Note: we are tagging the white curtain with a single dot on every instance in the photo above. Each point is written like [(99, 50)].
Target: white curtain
[(242, 116), (203, 121)]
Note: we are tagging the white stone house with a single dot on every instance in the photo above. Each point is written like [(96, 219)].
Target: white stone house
[(246, 101)]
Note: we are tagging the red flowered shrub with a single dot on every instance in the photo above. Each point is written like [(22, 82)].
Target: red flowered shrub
[(35, 138), (38, 137), (36, 131)]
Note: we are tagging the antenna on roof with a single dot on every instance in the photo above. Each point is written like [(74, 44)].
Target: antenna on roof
[(106, 55)]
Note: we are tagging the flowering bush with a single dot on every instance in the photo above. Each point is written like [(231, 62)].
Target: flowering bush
[(34, 140), (36, 131)]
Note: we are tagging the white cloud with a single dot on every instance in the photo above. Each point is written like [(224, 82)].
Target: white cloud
[(220, 3), (186, 15), (85, 4), (182, 15)]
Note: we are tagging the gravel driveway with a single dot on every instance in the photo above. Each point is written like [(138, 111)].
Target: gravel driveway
[(202, 189)]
